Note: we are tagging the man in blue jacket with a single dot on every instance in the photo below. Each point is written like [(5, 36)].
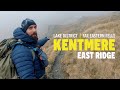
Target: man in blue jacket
[(22, 57)]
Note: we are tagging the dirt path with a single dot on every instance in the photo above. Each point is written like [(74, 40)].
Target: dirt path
[(56, 72)]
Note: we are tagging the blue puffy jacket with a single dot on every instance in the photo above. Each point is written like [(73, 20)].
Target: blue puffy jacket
[(23, 59)]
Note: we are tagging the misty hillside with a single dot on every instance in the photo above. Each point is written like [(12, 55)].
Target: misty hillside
[(78, 69), (83, 23)]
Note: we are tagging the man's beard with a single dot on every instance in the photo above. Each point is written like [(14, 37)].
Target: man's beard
[(35, 36)]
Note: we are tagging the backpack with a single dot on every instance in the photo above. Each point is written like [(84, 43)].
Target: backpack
[(7, 68)]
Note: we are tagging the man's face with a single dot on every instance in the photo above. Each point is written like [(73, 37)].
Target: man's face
[(32, 31)]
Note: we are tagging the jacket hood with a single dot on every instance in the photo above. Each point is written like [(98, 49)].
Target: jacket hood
[(19, 34)]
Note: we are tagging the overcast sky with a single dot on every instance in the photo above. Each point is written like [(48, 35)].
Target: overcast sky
[(9, 20)]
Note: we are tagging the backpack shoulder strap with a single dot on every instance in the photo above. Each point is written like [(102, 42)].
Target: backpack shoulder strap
[(33, 54)]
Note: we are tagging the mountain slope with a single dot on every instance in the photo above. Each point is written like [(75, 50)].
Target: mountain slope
[(77, 69)]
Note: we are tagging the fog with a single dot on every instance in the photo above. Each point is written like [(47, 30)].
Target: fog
[(9, 20)]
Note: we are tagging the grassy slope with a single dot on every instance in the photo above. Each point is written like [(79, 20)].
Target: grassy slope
[(77, 69)]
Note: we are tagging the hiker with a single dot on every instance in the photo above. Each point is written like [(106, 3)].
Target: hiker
[(22, 57)]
